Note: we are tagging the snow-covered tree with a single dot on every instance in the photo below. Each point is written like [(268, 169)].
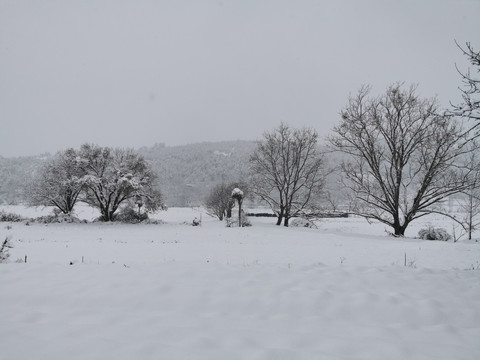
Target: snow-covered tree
[(117, 176), (58, 183)]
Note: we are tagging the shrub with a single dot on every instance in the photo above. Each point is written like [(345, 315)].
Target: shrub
[(61, 218), (10, 217), (301, 222), (233, 222), (434, 234), (130, 216)]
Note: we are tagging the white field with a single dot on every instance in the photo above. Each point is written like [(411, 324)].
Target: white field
[(174, 291)]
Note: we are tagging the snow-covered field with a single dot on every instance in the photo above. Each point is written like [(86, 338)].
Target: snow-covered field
[(174, 291)]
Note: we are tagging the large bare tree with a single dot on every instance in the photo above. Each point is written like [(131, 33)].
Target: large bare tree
[(287, 171), (403, 156)]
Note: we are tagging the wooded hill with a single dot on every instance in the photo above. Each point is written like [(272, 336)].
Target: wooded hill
[(187, 173)]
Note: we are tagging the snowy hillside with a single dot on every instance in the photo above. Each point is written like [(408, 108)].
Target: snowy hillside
[(173, 291), (187, 173)]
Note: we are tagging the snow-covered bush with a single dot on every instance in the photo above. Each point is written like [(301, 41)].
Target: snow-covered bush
[(4, 249), (57, 218), (129, 215), (10, 217), (233, 221), (246, 222), (302, 222), (434, 234)]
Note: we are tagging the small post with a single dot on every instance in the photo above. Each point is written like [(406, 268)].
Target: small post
[(25, 259), (405, 262)]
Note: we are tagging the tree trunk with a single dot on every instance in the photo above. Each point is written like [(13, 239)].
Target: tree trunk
[(287, 216), (280, 216), (239, 213), (107, 215), (399, 230), (470, 215)]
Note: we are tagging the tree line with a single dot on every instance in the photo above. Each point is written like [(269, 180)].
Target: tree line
[(404, 155)]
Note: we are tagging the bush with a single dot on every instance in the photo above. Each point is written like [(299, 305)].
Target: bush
[(301, 222), (434, 234), (10, 217), (57, 218), (130, 216), (233, 222)]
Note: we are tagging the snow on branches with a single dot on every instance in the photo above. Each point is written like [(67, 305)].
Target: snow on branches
[(102, 177)]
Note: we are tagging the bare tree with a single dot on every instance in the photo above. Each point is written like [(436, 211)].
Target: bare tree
[(469, 200), (116, 176), (58, 183), (470, 206), (404, 157), (470, 107), (287, 171), (219, 202)]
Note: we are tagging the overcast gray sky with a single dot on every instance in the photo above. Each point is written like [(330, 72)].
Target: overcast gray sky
[(133, 73)]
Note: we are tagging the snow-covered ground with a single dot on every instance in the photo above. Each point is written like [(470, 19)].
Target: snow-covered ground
[(174, 291)]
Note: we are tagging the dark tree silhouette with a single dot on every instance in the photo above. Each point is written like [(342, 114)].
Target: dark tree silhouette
[(287, 171), (470, 91), (219, 202), (404, 157)]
